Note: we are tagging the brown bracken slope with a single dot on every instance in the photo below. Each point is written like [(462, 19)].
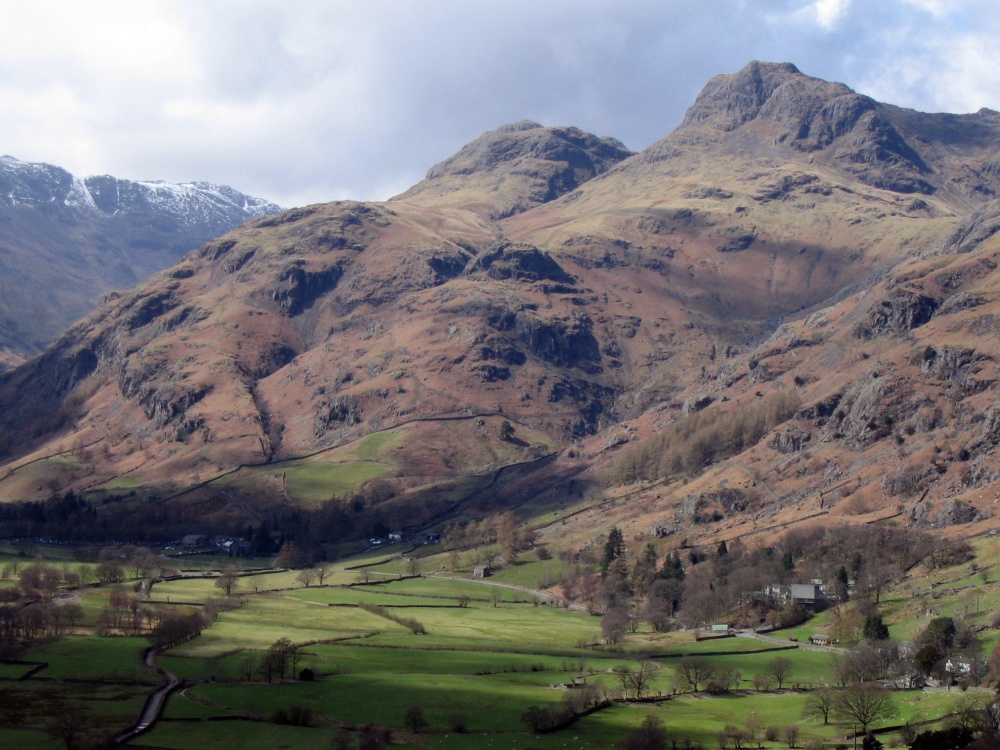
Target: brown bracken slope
[(791, 237)]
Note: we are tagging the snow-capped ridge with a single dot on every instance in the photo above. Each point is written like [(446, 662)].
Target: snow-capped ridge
[(36, 184)]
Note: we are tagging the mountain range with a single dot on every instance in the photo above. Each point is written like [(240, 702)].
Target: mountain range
[(65, 241), (784, 312)]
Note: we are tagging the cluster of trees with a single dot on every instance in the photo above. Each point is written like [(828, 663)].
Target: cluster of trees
[(278, 662), (697, 586), (695, 673), (42, 619), (576, 702), (499, 537), (73, 517), (699, 439), (859, 703)]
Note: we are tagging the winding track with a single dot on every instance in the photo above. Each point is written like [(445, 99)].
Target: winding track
[(154, 704)]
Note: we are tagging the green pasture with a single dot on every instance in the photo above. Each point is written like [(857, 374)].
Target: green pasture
[(808, 667), (492, 703), (191, 590), (339, 472), (361, 658), (529, 572), (112, 707), (246, 735), (369, 594), (14, 671), (314, 483), (93, 658), (265, 618), (28, 739), (181, 706), (511, 624), (453, 588)]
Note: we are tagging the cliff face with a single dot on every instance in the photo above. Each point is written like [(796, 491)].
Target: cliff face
[(791, 238)]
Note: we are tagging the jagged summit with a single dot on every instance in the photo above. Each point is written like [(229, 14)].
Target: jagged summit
[(517, 166), (771, 109), (776, 92)]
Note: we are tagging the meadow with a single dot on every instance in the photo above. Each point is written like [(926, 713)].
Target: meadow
[(483, 654)]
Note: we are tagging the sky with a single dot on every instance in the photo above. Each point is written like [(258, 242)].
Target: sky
[(303, 101)]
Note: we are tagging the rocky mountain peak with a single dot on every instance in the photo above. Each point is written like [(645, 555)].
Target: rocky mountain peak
[(775, 110), (781, 94), (518, 166)]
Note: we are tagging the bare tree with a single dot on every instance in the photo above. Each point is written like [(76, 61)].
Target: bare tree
[(779, 669), (73, 613), (693, 672), (613, 625), (248, 665), (322, 573), (636, 681), (306, 577), (864, 705), (650, 735), (791, 735), (71, 725), (415, 720), (819, 704), (228, 581), (507, 537)]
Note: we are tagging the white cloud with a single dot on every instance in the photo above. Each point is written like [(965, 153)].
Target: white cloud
[(306, 100), (828, 12)]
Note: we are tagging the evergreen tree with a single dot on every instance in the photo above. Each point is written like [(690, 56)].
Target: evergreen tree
[(841, 584), (614, 548), (672, 567), (645, 570), (875, 629), (787, 561)]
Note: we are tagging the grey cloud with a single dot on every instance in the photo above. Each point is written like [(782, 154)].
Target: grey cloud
[(312, 100)]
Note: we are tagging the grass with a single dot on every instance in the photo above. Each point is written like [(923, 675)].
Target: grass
[(93, 658), (453, 588), (268, 617), (14, 671), (247, 735), (338, 472), (28, 739), (487, 662), (313, 483)]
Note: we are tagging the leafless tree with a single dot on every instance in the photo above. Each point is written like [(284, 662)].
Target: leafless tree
[(791, 735), (819, 704), (693, 672), (322, 573), (779, 668), (636, 681), (306, 577), (613, 625), (864, 705), (228, 581), (248, 665)]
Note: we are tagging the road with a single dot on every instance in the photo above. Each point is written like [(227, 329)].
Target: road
[(154, 704), (785, 642), (523, 589)]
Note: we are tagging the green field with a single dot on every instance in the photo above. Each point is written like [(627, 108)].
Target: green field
[(93, 658), (488, 653)]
